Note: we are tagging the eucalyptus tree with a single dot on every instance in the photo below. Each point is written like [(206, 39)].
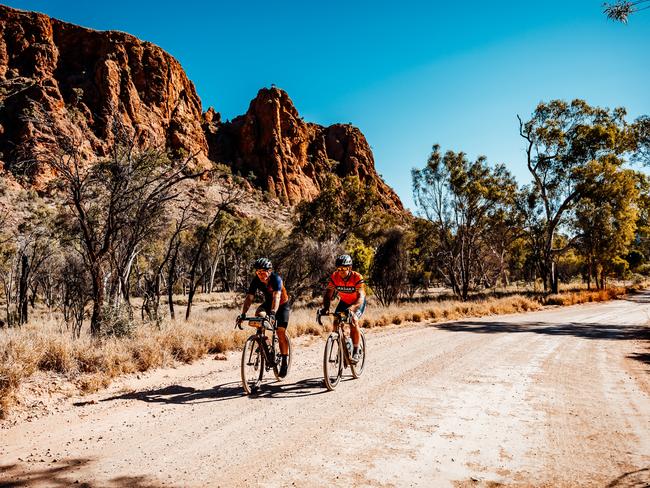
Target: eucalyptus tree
[(463, 200), (606, 218), (343, 208), (562, 140)]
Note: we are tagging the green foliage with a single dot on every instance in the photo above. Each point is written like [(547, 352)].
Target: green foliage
[(644, 269), (634, 259), (606, 216), (619, 266), (570, 147), (245, 240), (641, 128), (468, 204), (222, 169), (117, 322), (342, 208), (361, 254)]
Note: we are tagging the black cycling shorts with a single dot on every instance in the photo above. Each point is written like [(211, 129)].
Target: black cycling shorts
[(281, 316), (342, 307)]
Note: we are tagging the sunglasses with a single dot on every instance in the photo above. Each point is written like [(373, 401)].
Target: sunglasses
[(265, 271), (343, 268)]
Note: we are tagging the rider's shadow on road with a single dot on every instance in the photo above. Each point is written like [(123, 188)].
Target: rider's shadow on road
[(302, 388), (178, 395)]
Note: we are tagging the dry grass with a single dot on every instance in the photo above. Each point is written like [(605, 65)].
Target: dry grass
[(93, 363), (584, 296)]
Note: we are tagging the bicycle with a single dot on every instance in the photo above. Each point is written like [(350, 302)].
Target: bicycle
[(338, 351), (258, 356)]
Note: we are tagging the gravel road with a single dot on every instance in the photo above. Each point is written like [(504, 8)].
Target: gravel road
[(554, 398)]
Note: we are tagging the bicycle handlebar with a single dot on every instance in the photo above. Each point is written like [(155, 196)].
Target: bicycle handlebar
[(342, 316), (266, 323)]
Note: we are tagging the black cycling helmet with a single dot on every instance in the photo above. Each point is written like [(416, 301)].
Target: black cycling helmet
[(262, 263), (344, 260)]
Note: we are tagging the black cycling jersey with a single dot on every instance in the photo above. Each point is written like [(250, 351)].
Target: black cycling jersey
[(275, 284)]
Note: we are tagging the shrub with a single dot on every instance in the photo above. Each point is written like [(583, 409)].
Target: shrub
[(118, 322)]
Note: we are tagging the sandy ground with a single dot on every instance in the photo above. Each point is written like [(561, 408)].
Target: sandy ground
[(553, 398)]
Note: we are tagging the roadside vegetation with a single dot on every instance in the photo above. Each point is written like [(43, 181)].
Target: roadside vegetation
[(136, 261)]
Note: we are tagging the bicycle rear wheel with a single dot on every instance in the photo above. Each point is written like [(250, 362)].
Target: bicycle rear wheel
[(252, 365), (278, 361), (357, 369), (332, 362)]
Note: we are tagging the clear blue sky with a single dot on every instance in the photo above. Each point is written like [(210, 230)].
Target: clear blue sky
[(408, 74)]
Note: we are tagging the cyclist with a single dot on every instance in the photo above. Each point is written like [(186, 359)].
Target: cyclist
[(351, 288), (276, 303)]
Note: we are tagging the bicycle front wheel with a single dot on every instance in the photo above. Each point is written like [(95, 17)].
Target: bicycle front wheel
[(332, 361), (278, 359), (357, 369), (252, 365)]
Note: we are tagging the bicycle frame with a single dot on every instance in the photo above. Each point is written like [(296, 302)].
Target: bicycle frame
[(268, 351), (331, 355), (341, 319), (258, 355)]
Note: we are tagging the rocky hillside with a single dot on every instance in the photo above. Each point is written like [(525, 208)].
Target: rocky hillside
[(87, 80), (102, 76), (290, 157)]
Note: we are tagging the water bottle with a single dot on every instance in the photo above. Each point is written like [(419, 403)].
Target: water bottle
[(348, 343)]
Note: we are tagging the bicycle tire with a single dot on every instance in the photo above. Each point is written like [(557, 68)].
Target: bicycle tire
[(252, 365), (332, 361), (276, 366), (357, 369)]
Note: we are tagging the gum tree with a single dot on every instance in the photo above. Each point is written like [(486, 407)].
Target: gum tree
[(463, 200), (562, 140)]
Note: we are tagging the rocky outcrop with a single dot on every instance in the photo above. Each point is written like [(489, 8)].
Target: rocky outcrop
[(88, 82), (85, 81), (288, 156)]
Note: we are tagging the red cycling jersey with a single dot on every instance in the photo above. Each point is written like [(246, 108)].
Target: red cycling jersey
[(348, 288)]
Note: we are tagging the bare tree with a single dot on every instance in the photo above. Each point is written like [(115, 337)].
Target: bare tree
[(113, 204), (153, 277), (227, 197)]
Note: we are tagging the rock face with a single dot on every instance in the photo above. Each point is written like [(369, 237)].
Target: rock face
[(86, 80), (289, 157)]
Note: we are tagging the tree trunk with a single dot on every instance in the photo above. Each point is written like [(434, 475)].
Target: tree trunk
[(22, 291), (170, 281), (99, 291), (554, 278)]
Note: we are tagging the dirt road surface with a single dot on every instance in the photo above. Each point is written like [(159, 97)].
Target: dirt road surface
[(553, 398)]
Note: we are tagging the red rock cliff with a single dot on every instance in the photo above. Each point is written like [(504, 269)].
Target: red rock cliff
[(290, 157), (85, 80), (100, 76)]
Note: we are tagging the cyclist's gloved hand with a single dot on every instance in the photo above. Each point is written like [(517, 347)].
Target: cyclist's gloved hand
[(239, 320), (271, 317)]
